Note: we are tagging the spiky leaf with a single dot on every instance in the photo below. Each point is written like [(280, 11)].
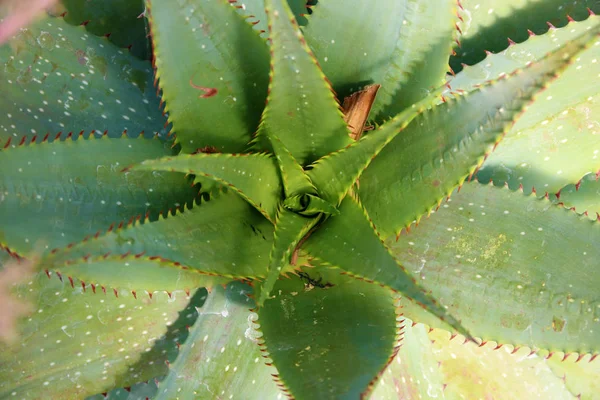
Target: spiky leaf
[(57, 193), (290, 228), (123, 21), (253, 176), (470, 371), (414, 372), (352, 56), (513, 252), (584, 196), (488, 24), (220, 356), (298, 91), (224, 236), (440, 148), (79, 343), (318, 331), (58, 78), (580, 376), (350, 242), (212, 68)]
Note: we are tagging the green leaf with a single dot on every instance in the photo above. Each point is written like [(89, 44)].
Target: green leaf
[(350, 242), (584, 196), (57, 193), (441, 147), (298, 92), (414, 373), (488, 24), (419, 62), (295, 180), (334, 174), (140, 391), (223, 236), (515, 254), (253, 176), (213, 71), (555, 141), (58, 78), (78, 342), (474, 372), (580, 376), (135, 273), (318, 335), (220, 358), (123, 20), (352, 56), (290, 228), (254, 11)]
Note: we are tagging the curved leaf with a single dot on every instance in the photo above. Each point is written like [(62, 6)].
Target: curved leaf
[(350, 242), (579, 376), (414, 372), (123, 20), (515, 254), (78, 343), (135, 273), (298, 92), (488, 24), (290, 228), (58, 78), (224, 236), (419, 62), (440, 148), (399, 35), (254, 11), (253, 176), (317, 336), (213, 71), (584, 196), (220, 358), (57, 193)]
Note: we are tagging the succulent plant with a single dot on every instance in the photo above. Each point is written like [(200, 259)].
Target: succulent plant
[(279, 198)]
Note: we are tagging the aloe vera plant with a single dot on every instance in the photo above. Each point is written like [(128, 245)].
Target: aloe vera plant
[(209, 221)]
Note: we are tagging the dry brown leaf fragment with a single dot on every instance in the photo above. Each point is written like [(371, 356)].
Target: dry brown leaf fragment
[(356, 109)]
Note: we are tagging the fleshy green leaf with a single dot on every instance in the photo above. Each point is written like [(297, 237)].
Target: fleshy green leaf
[(290, 228), (140, 391), (514, 253), (350, 242), (555, 141), (441, 147), (293, 177), (579, 376), (220, 358), (298, 92), (474, 372), (414, 372), (584, 196), (419, 61), (253, 176), (123, 20), (57, 193), (388, 53), (488, 24), (213, 71), (224, 236), (136, 274), (318, 333), (254, 11), (334, 174), (78, 343), (58, 78)]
